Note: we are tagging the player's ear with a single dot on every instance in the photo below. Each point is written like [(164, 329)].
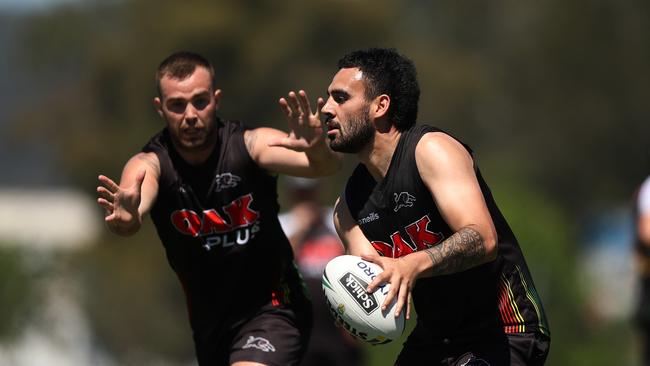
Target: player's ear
[(157, 104), (380, 105), (379, 113), (217, 98)]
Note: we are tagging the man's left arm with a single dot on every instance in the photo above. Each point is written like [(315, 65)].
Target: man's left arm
[(303, 151), (447, 169)]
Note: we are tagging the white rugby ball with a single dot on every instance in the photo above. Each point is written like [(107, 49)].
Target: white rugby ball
[(345, 281)]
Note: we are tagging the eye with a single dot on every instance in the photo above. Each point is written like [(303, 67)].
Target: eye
[(201, 103), (340, 97), (176, 106)]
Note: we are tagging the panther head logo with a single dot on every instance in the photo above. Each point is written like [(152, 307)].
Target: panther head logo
[(403, 199), (226, 180)]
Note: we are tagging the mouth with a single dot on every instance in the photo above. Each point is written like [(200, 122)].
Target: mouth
[(332, 133), (192, 131), (332, 127), (192, 134)]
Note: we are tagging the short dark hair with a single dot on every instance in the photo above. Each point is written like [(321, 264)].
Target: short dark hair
[(385, 71), (180, 65)]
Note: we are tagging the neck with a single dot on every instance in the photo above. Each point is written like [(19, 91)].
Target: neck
[(197, 155), (378, 155)]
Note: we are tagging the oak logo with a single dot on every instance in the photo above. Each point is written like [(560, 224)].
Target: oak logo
[(241, 225), (421, 238)]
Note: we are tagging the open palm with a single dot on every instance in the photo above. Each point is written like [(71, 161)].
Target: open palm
[(306, 128), (121, 204)]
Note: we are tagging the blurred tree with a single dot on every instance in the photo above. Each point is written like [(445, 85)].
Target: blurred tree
[(547, 237), (558, 83), (135, 304), (17, 295)]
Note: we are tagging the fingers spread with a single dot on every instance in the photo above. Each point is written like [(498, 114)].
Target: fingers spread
[(304, 102), (408, 307), (294, 105), (377, 281), (285, 106), (105, 194), (402, 297), (108, 183), (392, 292), (108, 206)]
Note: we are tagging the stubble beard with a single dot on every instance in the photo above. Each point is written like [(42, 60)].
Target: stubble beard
[(360, 134), (196, 145)]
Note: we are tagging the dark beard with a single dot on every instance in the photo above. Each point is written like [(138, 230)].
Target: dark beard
[(361, 133)]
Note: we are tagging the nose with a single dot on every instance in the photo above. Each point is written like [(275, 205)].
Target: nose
[(327, 109), (191, 116)]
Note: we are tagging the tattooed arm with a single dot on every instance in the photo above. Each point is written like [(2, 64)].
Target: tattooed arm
[(447, 169), (463, 250)]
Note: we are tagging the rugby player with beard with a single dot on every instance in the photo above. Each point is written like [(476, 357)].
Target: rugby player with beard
[(417, 206)]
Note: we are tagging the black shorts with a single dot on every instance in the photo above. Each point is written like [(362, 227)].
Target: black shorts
[(274, 336), (520, 349)]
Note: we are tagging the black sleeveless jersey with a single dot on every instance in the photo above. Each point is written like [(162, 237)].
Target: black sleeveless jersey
[(398, 216), (219, 226)]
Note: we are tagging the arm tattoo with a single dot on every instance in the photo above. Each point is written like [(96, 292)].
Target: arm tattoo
[(249, 140), (464, 249)]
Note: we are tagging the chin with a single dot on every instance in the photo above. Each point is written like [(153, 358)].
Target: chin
[(348, 147), (194, 145)]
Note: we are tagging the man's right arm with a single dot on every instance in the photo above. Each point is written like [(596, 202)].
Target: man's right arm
[(127, 203), (353, 239)]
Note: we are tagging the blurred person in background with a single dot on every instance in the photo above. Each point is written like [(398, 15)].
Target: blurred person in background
[(642, 213), (417, 206), (309, 227), (210, 187)]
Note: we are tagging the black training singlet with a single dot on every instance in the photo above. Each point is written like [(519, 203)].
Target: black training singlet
[(219, 226), (398, 215)]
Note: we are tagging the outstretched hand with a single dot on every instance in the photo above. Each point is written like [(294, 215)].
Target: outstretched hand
[(401, 277), (306, 128), (121, 204)]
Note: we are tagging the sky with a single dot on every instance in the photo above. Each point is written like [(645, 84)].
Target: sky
[(32, 5)]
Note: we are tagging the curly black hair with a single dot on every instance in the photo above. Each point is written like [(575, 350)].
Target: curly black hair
[(385, 71)]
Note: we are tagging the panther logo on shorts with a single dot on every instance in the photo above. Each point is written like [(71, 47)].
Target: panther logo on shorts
[(260, 343), (469, 359)]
